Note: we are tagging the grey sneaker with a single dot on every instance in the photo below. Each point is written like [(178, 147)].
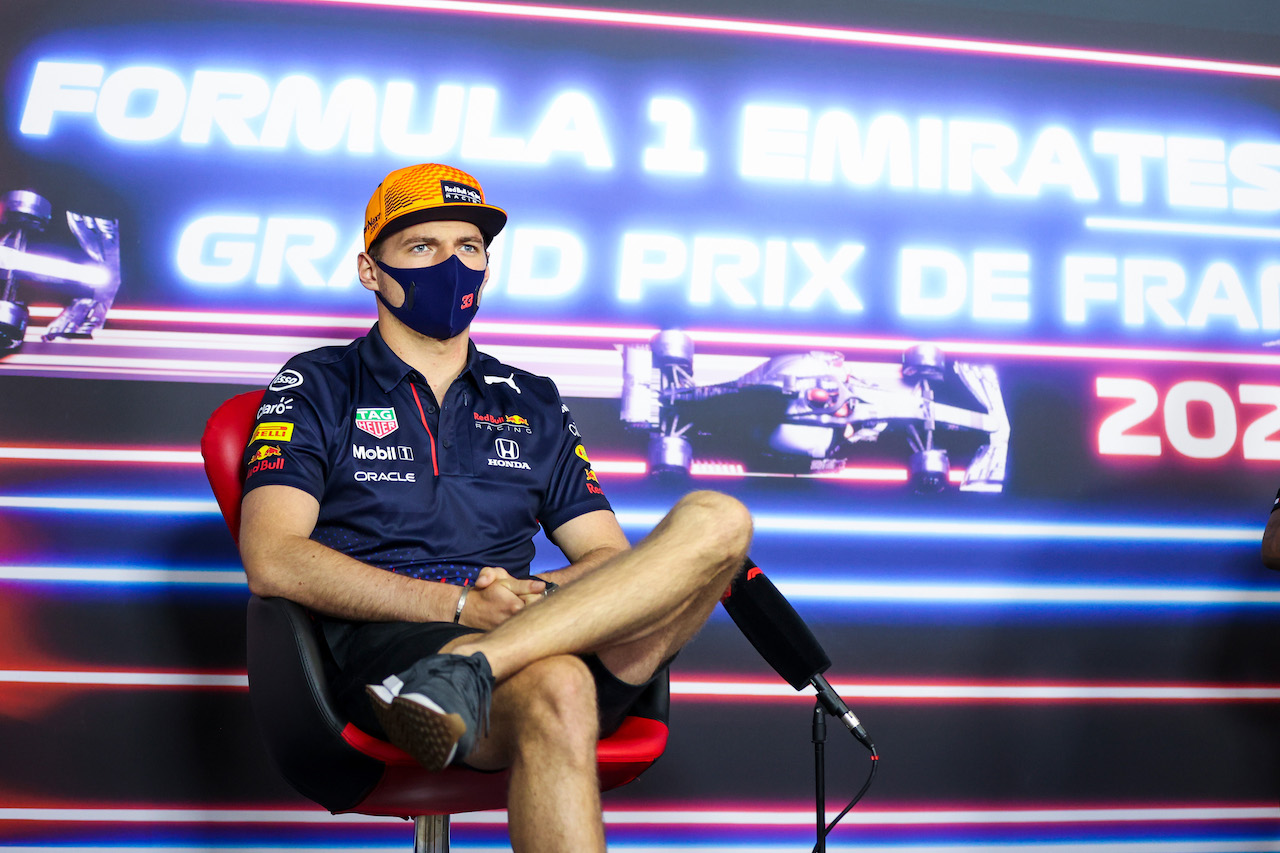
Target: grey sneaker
[(439, 710)]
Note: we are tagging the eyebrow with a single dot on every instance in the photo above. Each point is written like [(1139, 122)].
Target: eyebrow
[(410, 237)]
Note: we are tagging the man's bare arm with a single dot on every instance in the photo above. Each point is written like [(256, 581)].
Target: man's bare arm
[(281, 560), (587, 541)]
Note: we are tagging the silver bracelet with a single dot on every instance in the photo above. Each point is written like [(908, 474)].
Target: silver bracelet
[(462, 599)]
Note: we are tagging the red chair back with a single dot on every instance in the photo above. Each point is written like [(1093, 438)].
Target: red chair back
[(222, 446)]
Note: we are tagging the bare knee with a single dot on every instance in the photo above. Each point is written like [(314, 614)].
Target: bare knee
[(557, 706), (724, 524)]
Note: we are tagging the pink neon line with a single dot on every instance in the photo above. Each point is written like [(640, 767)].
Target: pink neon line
[(720, 688), (146, 455), (753, 338), (613, 467), (811, 32), (768, 813), (728, 813)]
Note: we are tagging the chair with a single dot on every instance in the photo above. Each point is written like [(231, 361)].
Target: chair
[(326, 758)]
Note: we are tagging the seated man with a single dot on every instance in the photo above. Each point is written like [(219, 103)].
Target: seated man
[(393, 487)]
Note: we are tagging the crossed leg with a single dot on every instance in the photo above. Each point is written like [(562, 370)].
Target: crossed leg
[(633, 612)]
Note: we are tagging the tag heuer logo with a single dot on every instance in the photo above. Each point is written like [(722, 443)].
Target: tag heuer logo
[(379, 423)]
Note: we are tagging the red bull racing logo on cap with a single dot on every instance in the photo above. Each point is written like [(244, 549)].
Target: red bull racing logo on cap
[(452, 191)]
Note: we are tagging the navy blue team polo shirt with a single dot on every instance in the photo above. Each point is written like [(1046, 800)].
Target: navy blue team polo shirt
[(431, 489)]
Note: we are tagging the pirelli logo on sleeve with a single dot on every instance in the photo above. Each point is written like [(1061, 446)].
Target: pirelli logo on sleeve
[(273, 431)]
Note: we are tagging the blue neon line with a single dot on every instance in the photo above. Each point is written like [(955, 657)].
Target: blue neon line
[(853, 526), (924, 527)]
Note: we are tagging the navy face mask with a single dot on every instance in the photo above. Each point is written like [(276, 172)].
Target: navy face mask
[(440, 300)]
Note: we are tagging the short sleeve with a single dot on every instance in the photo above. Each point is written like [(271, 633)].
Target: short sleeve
[(573, 489), (287, 446)]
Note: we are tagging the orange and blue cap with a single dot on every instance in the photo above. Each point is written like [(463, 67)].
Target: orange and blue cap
[(425, 193)]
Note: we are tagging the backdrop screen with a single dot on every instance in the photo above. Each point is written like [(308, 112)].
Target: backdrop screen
[(980, 331)]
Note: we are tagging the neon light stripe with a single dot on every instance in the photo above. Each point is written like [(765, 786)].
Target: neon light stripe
[(831, 593), (1105, 223), (753, 338), (620, 467), (1003, 692), (991, 593), (925, 527), (124, 575), (223, 342), (103, 454), (147, 506), (675, 844), (766, 522), (990, 529), (123, 679), (820, 33), (194, 366), (236, 318), (951, 816), (722, 816), (609, 466), (724, 688)]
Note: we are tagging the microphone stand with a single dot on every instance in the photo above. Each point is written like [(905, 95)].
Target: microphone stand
[(820, 773)]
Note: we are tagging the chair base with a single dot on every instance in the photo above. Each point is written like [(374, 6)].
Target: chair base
[(431, 833)]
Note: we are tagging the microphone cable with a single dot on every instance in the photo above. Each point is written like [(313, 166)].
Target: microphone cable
[(875, 762)]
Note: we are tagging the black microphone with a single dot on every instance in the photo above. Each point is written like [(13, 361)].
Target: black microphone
[(771, 624)]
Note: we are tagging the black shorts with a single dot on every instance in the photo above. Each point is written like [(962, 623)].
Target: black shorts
[(367, 652)]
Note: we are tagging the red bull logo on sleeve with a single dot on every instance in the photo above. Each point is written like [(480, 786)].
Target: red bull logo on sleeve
[(593, 483), (265, 458)]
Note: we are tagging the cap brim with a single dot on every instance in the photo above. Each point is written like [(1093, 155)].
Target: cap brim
[(489, 219)]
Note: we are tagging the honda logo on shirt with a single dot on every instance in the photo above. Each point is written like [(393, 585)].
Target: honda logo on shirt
[(507, 448)]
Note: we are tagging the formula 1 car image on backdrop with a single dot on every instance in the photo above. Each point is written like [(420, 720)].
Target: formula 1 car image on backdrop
[(807, 413), (78, 268)]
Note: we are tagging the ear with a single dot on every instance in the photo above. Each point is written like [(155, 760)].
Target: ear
[(367, 270)]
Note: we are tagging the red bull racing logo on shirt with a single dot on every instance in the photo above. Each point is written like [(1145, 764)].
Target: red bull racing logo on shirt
[(379, 423), (502, 423)]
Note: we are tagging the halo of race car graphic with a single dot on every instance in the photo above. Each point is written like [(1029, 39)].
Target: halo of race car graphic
[(809, 413), (85, 279)]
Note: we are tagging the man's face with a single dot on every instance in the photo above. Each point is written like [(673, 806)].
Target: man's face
[(425, 245)]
